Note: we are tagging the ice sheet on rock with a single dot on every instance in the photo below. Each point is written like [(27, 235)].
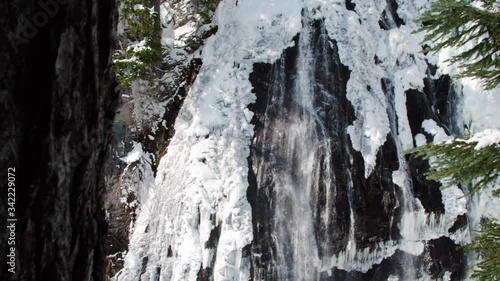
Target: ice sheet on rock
[(400, 61), (202, 180), (406, 67), (167, 18), (480, 106), (356, 37), (137, 180), (372, 54), (146, 109)]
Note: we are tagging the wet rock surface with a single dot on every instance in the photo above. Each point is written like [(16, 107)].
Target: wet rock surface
[(57, 104), (446, 257)]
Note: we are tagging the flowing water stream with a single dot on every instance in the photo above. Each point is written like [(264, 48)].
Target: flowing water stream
[(297, 143)]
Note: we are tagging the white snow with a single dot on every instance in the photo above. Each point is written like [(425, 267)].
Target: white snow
[(133, 155), (356, 38), (455, 203), (420, 139), (438, 133), (360, 40), (139, 7), (393, 278), (184, 31), (485, 138)]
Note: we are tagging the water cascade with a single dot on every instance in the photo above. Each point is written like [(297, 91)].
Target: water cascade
[(298, 134)]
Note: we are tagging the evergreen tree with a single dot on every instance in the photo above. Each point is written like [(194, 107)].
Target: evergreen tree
[(454, 23), (463, 162), (487, 246), (140, 55), (460, 163), (141, 49), (205, 8)]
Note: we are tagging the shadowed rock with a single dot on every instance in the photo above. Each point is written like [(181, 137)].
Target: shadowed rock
[(57, 104)]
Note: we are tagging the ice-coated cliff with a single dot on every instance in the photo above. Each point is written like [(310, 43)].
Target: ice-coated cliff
[(288, 160)]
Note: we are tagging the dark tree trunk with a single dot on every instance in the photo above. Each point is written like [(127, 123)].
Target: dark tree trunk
[(157, 38), (57, 100)]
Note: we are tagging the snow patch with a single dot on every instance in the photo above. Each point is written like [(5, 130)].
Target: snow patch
[(485, 138), (134, 155), (420, 140), (431, 127)]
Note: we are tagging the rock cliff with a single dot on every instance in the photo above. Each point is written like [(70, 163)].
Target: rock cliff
[(57, 105)]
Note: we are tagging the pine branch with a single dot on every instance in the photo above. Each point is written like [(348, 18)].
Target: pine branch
[(460, 163), (454, 23), (486, 246)]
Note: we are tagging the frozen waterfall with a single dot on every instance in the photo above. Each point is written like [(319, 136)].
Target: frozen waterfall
[(288, 159)]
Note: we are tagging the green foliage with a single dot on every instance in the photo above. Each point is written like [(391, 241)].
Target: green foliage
[(143, 49), (206, 8), (459, 162), (487, 248), (135, 63), (467, 23), (454, 23)]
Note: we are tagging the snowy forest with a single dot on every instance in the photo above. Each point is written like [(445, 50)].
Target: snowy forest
[(231, 140)]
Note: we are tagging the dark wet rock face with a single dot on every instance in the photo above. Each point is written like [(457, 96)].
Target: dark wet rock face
[(373, 200), (57, 104), (446, 256)]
